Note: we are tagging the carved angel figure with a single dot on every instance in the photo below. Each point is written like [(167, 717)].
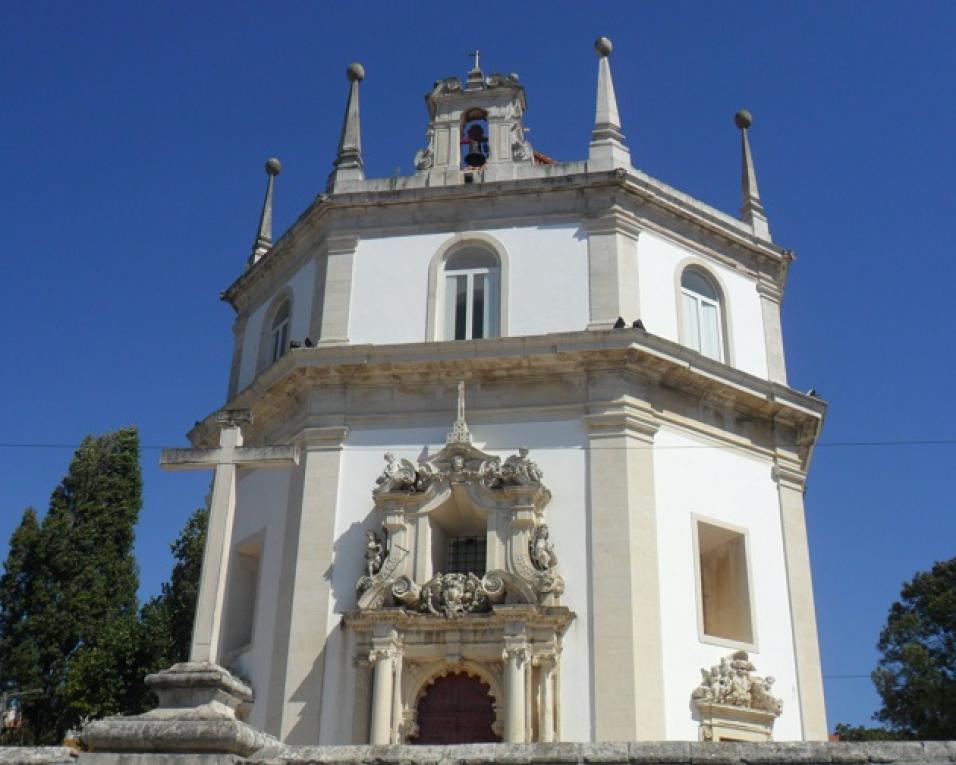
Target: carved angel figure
[(521, 150), (542, 551), (398, 475), (732, 682), (425, 157), (374, 553), (518, 470)]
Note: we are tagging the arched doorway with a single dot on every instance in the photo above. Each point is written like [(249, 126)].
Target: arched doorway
[(456, 709)]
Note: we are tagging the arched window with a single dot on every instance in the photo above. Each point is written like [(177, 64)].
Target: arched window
[(701, 320), (279, 333), (471, 294)]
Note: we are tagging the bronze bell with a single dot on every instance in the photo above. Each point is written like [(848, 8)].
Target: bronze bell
[(477, 146)]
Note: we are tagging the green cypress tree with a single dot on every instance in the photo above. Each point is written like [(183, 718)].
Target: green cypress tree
[(83, 585), (18, 641), (181, 593)]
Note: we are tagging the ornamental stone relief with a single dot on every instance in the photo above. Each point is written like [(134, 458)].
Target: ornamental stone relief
[(413, 498), (732, 683)]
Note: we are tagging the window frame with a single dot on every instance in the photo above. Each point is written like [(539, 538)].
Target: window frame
[(435, 314), (702, 635), (266, 331), (252, 547), (723, 309)]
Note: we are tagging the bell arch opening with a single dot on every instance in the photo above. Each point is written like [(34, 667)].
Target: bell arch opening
[(456, 708)]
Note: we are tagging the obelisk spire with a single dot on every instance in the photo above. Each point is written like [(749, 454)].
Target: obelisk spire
[(348, 161), (751, 211), (263, 241), (607, 149)]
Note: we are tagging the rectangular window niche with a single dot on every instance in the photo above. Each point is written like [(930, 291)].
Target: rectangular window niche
[(241, 595), (724, 607)]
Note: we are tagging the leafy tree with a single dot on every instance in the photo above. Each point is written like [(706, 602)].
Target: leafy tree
[(80, 586), (846, 732), (916, 676), (182, 591), (18, 641)]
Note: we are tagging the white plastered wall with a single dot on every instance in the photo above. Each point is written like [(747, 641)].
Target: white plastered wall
[(557, 448), (547, 290), (261, 499), (733, 488), (658, 262), (301, 285)]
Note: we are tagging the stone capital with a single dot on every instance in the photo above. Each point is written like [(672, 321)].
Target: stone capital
[(788, 477), (311, 439), (630, 422), (614, 221)]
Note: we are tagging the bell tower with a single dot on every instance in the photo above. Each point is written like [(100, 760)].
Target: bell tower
[(476, 130)]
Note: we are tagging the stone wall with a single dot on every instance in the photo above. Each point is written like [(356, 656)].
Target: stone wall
[(664, 753)]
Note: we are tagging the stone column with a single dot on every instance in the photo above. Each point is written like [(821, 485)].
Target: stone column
[(770, 298), (612, 269), (626, 647), (334, 279), (302, 613), (381, 727), (803, 615), (546, 666), (515, 657)]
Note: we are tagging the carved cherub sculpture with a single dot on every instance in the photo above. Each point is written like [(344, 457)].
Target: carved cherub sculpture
[(542, 551), (374, 552)]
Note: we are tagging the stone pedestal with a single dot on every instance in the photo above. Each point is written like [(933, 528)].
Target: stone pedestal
[(200, 709)]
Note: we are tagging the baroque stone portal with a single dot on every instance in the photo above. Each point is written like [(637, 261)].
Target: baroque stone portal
[(425, 609)]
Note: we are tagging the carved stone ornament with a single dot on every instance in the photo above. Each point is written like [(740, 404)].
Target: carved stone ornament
[(425, 157), (502, 81), (521, 150), (447, 85), (732, 683), (508, 493)]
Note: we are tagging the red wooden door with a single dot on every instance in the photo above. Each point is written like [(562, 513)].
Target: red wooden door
[(457, 709)]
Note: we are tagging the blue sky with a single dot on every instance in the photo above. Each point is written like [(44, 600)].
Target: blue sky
[(133, 137)]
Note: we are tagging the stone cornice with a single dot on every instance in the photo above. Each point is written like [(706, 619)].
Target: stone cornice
[(350, 211), (285, 391), (498, 619)]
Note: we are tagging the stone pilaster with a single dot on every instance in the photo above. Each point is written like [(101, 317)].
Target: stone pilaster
[(612, 269), (806, 649), (362, 702), (770, 299), (546, 673), (626, 648), (334, 283), (238, 341), (295, 693)]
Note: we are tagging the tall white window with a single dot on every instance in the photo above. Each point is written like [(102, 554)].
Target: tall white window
[(700, 304), (471, 294), (279, 333)]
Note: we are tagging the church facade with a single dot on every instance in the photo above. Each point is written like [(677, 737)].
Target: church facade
[(523, 461)]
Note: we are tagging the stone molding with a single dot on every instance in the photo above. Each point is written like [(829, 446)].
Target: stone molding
[(641, 190), (789, 477), (286, 391)]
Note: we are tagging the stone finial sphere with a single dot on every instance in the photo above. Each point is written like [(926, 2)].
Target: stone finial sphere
[(603, 46), (355, 72), (743, 119), (273, 166)]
